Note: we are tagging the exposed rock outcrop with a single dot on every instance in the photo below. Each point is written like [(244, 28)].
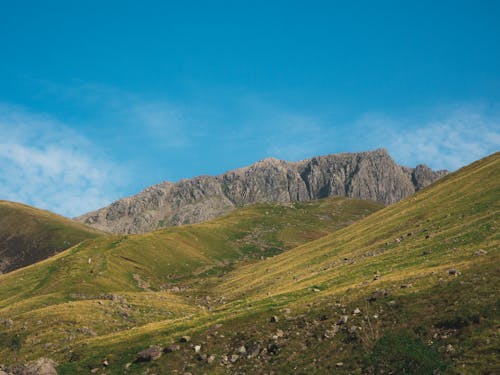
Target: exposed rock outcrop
[(366, 175)]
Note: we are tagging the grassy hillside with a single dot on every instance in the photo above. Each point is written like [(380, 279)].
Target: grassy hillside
[(412, 288), (114, 283), (28, 235)]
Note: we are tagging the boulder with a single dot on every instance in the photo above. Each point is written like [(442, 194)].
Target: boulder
[(42, 366)]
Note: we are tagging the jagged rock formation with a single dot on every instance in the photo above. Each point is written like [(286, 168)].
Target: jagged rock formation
[(370, 175)]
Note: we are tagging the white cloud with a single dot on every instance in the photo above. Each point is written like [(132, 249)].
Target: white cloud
[(448, 138), (46, 164)]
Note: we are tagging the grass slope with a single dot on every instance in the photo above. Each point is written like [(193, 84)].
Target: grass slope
[(417, 283), (127, 283), (412, 288), (28, 235)]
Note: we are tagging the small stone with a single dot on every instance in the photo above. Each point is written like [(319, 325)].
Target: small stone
[(356, 311), (253, 351), (272, 349), (480, 252), (339, 364), (450, 348), (210, 358), (171, 348), (343, 319), (242, 350), (405, 286), (274, 319), (453, 272), (316, 290), (105, 363), (197, 348), (234, 358), (150, 354), (201, 357), (185, 339)]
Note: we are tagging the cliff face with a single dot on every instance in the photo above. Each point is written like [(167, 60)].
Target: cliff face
[(367, 175)]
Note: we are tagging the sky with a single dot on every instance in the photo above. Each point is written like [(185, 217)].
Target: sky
[(100, 99)]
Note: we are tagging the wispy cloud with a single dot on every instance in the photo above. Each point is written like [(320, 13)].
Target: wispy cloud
[(446, 138), (154, 120), (47, 164)]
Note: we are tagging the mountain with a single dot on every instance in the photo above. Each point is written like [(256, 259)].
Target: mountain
[(28, 235), (410, 288), (367, 175)]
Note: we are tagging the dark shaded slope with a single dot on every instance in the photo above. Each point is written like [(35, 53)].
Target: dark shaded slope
[(28, 235)]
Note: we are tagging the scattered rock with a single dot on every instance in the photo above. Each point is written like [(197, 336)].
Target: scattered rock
[(453, 272), (450, 348), (150, 354), (273, 348), (405, 286), (197, 348), (330, 333), (356, 311), (274, 319), (234, 358), (480, 252), (253, 351), (171, 348), (339, 364), (343, 319), (378, 295), (185, 339), (105, 363), (42, 366), (210, 358), (242, 350), (87, 331)]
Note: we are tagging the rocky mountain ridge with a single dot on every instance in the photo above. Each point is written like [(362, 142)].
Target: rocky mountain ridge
[(372, 175)]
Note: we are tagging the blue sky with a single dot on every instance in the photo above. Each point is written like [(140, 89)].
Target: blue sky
[(99, 99)]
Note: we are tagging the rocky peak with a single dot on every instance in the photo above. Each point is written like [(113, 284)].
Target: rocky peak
[(366, 175)]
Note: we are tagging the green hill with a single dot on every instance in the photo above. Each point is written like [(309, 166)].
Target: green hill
[(133, 280), (411, 288), (28, 235)]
